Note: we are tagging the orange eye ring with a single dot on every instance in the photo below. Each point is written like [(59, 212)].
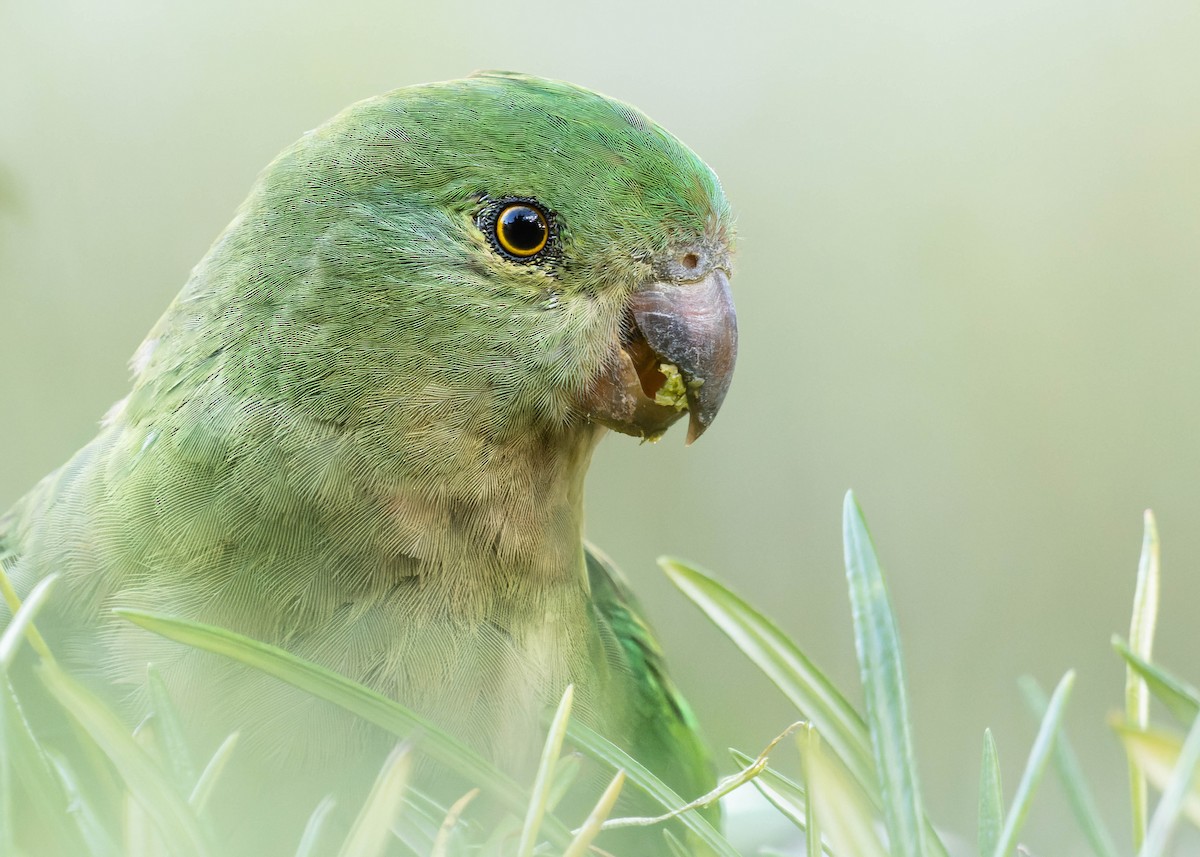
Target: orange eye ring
[(522, 230)]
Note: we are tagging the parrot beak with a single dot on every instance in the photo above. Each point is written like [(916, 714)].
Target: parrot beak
[(677, 353)]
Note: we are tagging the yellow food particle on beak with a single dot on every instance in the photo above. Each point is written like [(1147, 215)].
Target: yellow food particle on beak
[(673, 392)]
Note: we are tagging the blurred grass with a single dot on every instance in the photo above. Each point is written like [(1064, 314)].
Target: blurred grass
[(157, 803)]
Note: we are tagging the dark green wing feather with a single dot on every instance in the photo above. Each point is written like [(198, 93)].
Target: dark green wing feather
[(664, 734)]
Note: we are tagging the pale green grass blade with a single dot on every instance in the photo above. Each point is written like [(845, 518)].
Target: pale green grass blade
[(21, 625), (1157, 754), (545, 774), (724, 786), (991, 796), (814, 695), (1179, 697), (500, 840), (207, 781), (1079, 794), (566, 772), (147, 784), (335, 688), (418, 833), (99, 841), (422, 821), (590, 828), (446, 830), (882, 669), (791, 803), (847, 819), (173, 747), (676, 847), (8, 739), (783, 793), (1039, 755), (141, 837), (23, 760), (353, 697), (23, 763), (812, 826), (372, 828), (812, 830), (601, 749), (311, 837), (1141, 641), (14, 606), (1180, 787), (99, 766)]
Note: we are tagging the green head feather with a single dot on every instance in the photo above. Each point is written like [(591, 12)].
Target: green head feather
[(356, 286)]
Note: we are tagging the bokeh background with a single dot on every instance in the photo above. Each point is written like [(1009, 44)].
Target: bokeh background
[(967, 284)]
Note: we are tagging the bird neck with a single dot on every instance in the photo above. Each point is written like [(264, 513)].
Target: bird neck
[(510, 511)]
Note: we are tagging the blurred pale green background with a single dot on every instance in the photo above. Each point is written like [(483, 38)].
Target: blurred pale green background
[(967, 283)]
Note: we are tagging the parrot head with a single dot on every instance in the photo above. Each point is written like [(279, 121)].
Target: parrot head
[(486, 256)]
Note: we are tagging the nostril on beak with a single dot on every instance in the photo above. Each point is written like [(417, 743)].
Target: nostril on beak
[(690, 261)]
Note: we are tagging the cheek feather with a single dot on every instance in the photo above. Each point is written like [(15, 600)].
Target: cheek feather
[(582, 333)]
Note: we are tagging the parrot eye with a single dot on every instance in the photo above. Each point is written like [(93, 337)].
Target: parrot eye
[(520, 228)]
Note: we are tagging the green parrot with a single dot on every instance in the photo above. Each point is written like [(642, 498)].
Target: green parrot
[(361, 431)]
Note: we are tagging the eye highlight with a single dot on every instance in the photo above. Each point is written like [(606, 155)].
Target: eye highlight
[(522, 230)]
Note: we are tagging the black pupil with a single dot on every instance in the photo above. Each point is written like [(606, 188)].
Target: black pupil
[(523, 227)]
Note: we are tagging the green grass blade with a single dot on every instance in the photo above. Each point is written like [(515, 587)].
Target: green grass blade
[(814, 695), (783, 793), (1074, 783), (13, 601), (27, 772), (311, 837), (148, 786), (790, 802), (141, 835), (590, 828), (206, 782), (1179, 697), (545, 774), (419, 832), (991, 796), (372, 828), (812, 826), (21, 625), (1039, 755), (1141, 641), (424, 821), (141, 838), (1157, 753), (882, 669), (99, 841), (566, 773), (847, 818), (366, 703), (1179, 788), (8, 740), (812, 830), (23, 760), (499, 842), (676, 847), (173, 747), (601, 749), (450, 827)]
